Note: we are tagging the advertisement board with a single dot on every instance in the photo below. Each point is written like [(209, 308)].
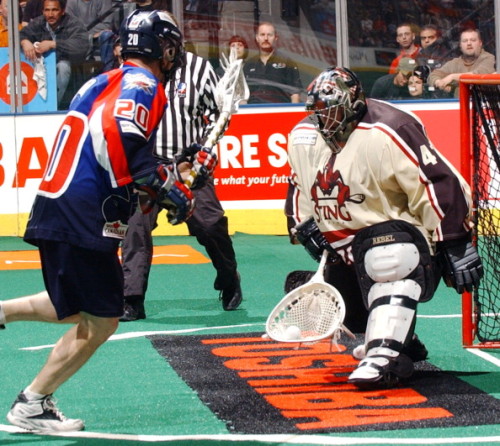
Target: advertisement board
[(251, 177), (39, 88)]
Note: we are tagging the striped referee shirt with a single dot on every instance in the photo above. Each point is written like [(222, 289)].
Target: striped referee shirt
[(192, 110)]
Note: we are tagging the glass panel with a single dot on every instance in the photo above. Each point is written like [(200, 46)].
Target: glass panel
[(305, 40)]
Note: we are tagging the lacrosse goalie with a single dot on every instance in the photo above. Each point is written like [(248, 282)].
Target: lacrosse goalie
[(369, 186)]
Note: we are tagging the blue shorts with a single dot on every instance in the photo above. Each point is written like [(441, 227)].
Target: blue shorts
[(79, 279)]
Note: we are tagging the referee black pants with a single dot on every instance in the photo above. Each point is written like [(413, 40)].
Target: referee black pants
[(208, 224)]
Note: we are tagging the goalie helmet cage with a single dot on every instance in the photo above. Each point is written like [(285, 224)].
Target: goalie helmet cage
[(480, 166)]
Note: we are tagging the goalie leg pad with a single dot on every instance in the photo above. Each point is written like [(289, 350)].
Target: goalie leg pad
[(393, 283)]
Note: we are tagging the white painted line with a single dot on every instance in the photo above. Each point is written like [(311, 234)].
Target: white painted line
[(484, 355), (140, 334), (439, 316), (279, 439), (10, 262), (170, 255)]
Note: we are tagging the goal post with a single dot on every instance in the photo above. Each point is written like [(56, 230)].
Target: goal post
[(480, 166)]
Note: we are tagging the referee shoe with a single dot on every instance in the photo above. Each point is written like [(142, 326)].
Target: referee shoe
[(41, 416), (232, 295)]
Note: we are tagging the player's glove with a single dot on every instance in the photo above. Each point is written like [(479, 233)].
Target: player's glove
[(462, 267), (165, 189), (309, 235), (174, 195), (203, 160)]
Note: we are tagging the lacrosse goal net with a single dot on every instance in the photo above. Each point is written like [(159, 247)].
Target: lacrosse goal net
[(480, 165)]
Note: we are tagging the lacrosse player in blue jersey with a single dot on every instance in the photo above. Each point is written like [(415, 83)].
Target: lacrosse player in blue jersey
[(101, 156)]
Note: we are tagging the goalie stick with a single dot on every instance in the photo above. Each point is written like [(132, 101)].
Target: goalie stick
[(230, 91), (309, 313)]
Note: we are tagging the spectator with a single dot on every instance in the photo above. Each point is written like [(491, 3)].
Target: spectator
[(474, 59), (405, 37), (96, 15), (270, 76), (117, 52), (417, 84), (34, 8), (394, 86), (190, 116), (55, 30), (4, 23), (241, 47), (435, 51)]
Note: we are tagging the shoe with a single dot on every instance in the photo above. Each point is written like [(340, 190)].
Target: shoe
[(415, 350), (2, 327), (41, 416), (133, 312), (382, 368), (232, 296)]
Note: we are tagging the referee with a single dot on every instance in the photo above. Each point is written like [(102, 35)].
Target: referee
[(191, 113)]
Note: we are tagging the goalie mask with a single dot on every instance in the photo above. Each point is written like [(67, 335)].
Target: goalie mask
[(337, 103), (155, 35)]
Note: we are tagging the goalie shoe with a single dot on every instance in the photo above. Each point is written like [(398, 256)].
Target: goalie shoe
[(381, 368)]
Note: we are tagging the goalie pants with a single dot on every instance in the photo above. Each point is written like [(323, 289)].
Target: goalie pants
[(208, 224), (343, 277)]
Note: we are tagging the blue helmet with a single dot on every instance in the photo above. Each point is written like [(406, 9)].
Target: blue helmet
[(151, 34)]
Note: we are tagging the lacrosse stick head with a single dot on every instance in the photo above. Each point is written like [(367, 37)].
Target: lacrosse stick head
[(309, 313), (232, 87)]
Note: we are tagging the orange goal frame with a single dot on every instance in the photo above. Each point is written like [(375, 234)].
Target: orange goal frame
[(469, 323)]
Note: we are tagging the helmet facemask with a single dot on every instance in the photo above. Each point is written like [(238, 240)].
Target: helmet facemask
[(337, 103), (173, 57)]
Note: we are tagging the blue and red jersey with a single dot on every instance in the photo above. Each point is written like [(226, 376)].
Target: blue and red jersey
[(104, 144)]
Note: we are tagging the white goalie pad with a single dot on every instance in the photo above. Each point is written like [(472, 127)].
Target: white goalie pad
[(392, 320), (392, 262)]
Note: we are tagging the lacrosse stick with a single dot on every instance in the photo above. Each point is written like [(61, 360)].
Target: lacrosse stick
[(309, 313), (230, 91)]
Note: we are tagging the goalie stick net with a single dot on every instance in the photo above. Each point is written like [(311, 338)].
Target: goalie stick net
[(480, 165)]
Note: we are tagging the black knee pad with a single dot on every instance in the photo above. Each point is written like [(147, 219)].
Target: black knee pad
[(390, 232)]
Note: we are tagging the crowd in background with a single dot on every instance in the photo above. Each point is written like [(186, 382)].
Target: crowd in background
[(372, 23)]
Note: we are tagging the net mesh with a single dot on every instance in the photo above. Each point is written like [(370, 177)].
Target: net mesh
[(486, 197), (316, 312)]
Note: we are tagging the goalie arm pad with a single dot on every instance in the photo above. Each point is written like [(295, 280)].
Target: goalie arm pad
[(165, 189), (309, 235), (462, 266)]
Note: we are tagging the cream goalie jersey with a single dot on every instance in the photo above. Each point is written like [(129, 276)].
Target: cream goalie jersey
[(387, 170)]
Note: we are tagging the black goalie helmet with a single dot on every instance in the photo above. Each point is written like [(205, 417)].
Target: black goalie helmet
[(152, 34), (337, 102)]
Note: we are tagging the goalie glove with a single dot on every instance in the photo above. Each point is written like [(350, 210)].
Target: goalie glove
[(203, 160), (462, 267), (165, 189), (309, 235)]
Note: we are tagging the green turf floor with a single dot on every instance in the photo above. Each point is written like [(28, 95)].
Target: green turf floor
[(128, 389)]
